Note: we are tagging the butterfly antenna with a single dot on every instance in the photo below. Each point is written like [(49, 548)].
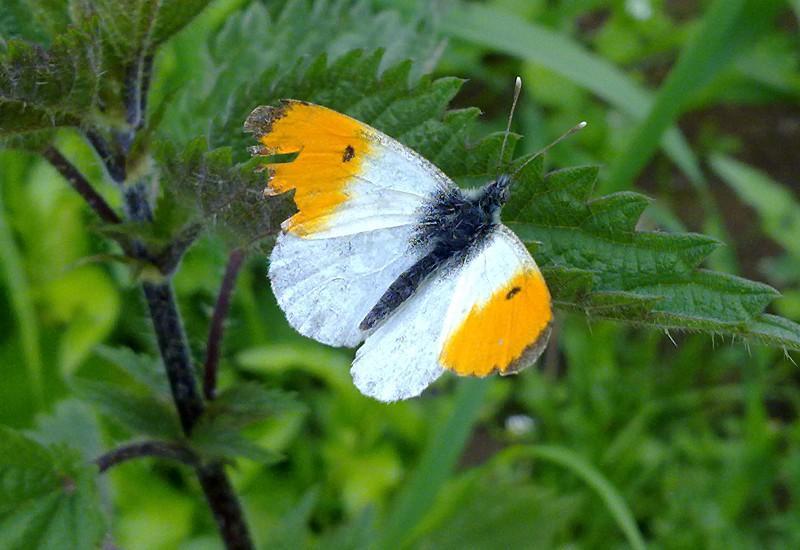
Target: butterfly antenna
[(517, 89), (565, 135)]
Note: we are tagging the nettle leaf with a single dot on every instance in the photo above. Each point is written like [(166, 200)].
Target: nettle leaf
[(143, 368), (218, 433), (596, 262), (41, 89), (232, 194), (219, 192), (415, 114), (254, 48), (133, 29), (50, 496), (246, 403), (133, 407)]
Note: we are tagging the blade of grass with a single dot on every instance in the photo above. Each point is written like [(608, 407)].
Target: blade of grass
[(509, 34), (20, 297), (567, 459), (727, 28), (437, 462), (691, 68)]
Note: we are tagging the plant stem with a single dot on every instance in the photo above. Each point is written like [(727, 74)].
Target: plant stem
[(163, 449), (174, 348), (215, 332), (174, 352), (80, 184), (113, 161), (161, 303), (177, 361)]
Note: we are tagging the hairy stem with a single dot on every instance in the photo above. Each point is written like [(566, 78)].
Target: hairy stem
[(215, 332), (80, 184), (162, 449), (112, 159), (177, 361), (163, 308), (174, 352)]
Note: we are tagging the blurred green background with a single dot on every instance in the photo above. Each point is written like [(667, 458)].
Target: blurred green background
[(618, 437)]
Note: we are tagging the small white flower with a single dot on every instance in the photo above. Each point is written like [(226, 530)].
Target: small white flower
[(519, 425), (639, 9)]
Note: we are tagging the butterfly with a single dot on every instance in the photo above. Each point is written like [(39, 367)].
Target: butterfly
[(387, 251)]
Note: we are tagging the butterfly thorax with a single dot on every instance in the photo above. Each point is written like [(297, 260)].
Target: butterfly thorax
[(451, 228)]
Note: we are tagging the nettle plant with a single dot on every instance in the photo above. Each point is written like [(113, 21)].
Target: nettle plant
[(177, 157)]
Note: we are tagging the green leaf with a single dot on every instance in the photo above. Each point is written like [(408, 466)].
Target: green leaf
[(45, 88), (218, 433), (215, 442), (174, 15), (602, 266), (138, 411), (21, 297), (49, 497), (231, 195), (134, 29), (73, 423), (521, 515), (254, 49), (246, 403), (776, 206), (609, 269), (411, 113), (17, 21), (143, 368), (218, 192)]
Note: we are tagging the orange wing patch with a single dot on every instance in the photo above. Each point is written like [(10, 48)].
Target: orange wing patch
[(331, 147), (496, 335)]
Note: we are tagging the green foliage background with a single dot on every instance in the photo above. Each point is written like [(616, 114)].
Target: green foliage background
[(623, 436)]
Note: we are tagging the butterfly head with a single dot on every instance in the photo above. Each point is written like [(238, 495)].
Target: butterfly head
[(498, 191)]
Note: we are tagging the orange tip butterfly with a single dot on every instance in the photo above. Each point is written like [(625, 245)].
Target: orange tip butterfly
[(386, 251)]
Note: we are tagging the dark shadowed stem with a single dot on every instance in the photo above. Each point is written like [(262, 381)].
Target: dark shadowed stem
[(215, 331), (80, 184), (225, 506), (175, 354), (161, 302), (112, 160), (161, 449), (177, 360)]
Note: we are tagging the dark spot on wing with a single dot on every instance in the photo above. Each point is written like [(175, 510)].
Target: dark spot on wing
[(349, 153), (513, 292)]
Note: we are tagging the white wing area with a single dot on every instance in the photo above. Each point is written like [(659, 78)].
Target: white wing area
[(404, 354), (401, 358), (327, 286)]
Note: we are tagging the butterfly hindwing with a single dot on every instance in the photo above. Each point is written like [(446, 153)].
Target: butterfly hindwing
[(489, 313), (500, 315)]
